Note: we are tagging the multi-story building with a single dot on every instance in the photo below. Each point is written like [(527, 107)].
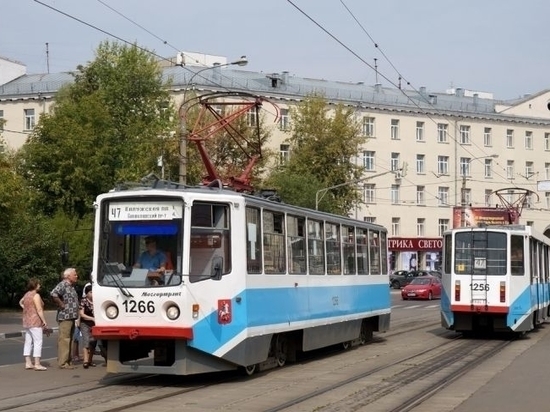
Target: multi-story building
[(424, 153)]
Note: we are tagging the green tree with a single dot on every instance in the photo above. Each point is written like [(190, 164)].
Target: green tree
[(323, 143), (105, 128), (27, 246)]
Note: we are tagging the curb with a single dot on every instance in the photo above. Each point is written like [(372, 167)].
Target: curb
[(10, 335)]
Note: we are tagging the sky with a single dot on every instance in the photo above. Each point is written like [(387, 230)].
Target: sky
[(496, 46)]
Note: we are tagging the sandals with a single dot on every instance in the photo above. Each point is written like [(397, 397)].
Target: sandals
[(29, 367), (88, 364), (40, 368)]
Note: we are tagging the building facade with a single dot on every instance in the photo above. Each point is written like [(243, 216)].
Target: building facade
[(424, 153)]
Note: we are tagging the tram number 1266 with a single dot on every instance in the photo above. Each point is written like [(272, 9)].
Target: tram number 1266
[(133, 306)]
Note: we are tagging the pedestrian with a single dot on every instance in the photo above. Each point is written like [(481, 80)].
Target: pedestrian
[(66, 299), (34, 323), (87, 321)]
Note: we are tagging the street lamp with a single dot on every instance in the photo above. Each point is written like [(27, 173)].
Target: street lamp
[(243, 61), (324, 191), (463, 189)]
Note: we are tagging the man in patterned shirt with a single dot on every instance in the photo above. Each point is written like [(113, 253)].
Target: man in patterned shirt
[(66, 299)]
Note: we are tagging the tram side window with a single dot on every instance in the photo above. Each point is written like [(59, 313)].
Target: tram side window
[(362, 252), (315, 247), (210, 241), (448, 248), (274, 242), (253, 241), (374, 252), (348, 246), (296, 241), (334, 258), (516, 255)]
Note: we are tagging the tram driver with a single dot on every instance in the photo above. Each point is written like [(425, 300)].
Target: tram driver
[(152, 259)]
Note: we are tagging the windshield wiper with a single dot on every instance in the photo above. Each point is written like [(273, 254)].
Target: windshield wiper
[(113, 270)]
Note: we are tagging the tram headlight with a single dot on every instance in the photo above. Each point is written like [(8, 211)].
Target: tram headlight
[(173, 312), (111, 311)]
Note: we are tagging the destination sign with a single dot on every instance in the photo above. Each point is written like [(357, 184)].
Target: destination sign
[(124, 211)]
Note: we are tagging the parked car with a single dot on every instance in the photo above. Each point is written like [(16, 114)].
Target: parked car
[(436, 273), (402, 278), (422, 287)]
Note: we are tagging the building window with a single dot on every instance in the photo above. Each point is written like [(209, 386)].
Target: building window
[(420, 164), (530, 223), (394, 132), (284, 120), (529, 140), (488, 197), (488, 167), (420, 195), (465, 166), (368, 126), (510, 169), (509, 138), (443, 196), (467, 196), (443, 226), (284, 153), (252, 117), (395, 226), (529, 170), (369, 195), (368, 160), (547, 199), (546, 141), (442, 133), (487, 136), (419, 131), (464, 134), (1, 120), (420, 226), (547, 171), (369, 219), (394, 163), (29, 119), (443, 165), (395, 194)]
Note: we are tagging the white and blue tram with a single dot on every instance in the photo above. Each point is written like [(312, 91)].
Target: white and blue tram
[(496, 278), (249, 282)]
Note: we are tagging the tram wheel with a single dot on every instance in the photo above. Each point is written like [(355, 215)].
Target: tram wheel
[(281, 349), (250, 369), (366, 333)]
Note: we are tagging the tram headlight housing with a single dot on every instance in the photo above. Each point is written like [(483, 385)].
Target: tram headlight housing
[(111, 311), (173, 312)]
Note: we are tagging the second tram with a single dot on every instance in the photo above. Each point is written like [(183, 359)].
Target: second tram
[(496, 278)]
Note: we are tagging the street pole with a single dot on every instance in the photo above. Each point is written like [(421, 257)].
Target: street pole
[(183, 121), (326, 189)]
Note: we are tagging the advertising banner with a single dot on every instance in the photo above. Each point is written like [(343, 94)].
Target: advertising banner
[(474, 216)]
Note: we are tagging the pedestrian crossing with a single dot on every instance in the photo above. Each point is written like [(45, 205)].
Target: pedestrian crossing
[(407, 307)]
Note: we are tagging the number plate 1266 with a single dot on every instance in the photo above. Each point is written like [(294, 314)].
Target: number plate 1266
[(138, 307)]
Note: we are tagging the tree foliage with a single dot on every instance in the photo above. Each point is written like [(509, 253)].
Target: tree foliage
[(105, 128), (27, 246), (323, 143)]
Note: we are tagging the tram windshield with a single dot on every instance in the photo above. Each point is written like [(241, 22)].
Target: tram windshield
[(140, 243), (480, 252)]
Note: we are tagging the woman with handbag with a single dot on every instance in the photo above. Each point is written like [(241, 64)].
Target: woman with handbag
[(34, 323)]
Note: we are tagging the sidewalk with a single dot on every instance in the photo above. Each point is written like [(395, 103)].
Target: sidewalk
[(11, 324)]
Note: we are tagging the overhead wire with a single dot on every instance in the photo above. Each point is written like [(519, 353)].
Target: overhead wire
[(452, 136)]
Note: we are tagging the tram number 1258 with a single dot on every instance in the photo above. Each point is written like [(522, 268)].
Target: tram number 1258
[(132, 306)]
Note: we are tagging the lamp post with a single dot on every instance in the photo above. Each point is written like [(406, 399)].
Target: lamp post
[(324, 191), (183, 123), (463, 189)]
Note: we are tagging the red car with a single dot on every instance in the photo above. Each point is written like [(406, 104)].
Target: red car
[(422, 287)]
